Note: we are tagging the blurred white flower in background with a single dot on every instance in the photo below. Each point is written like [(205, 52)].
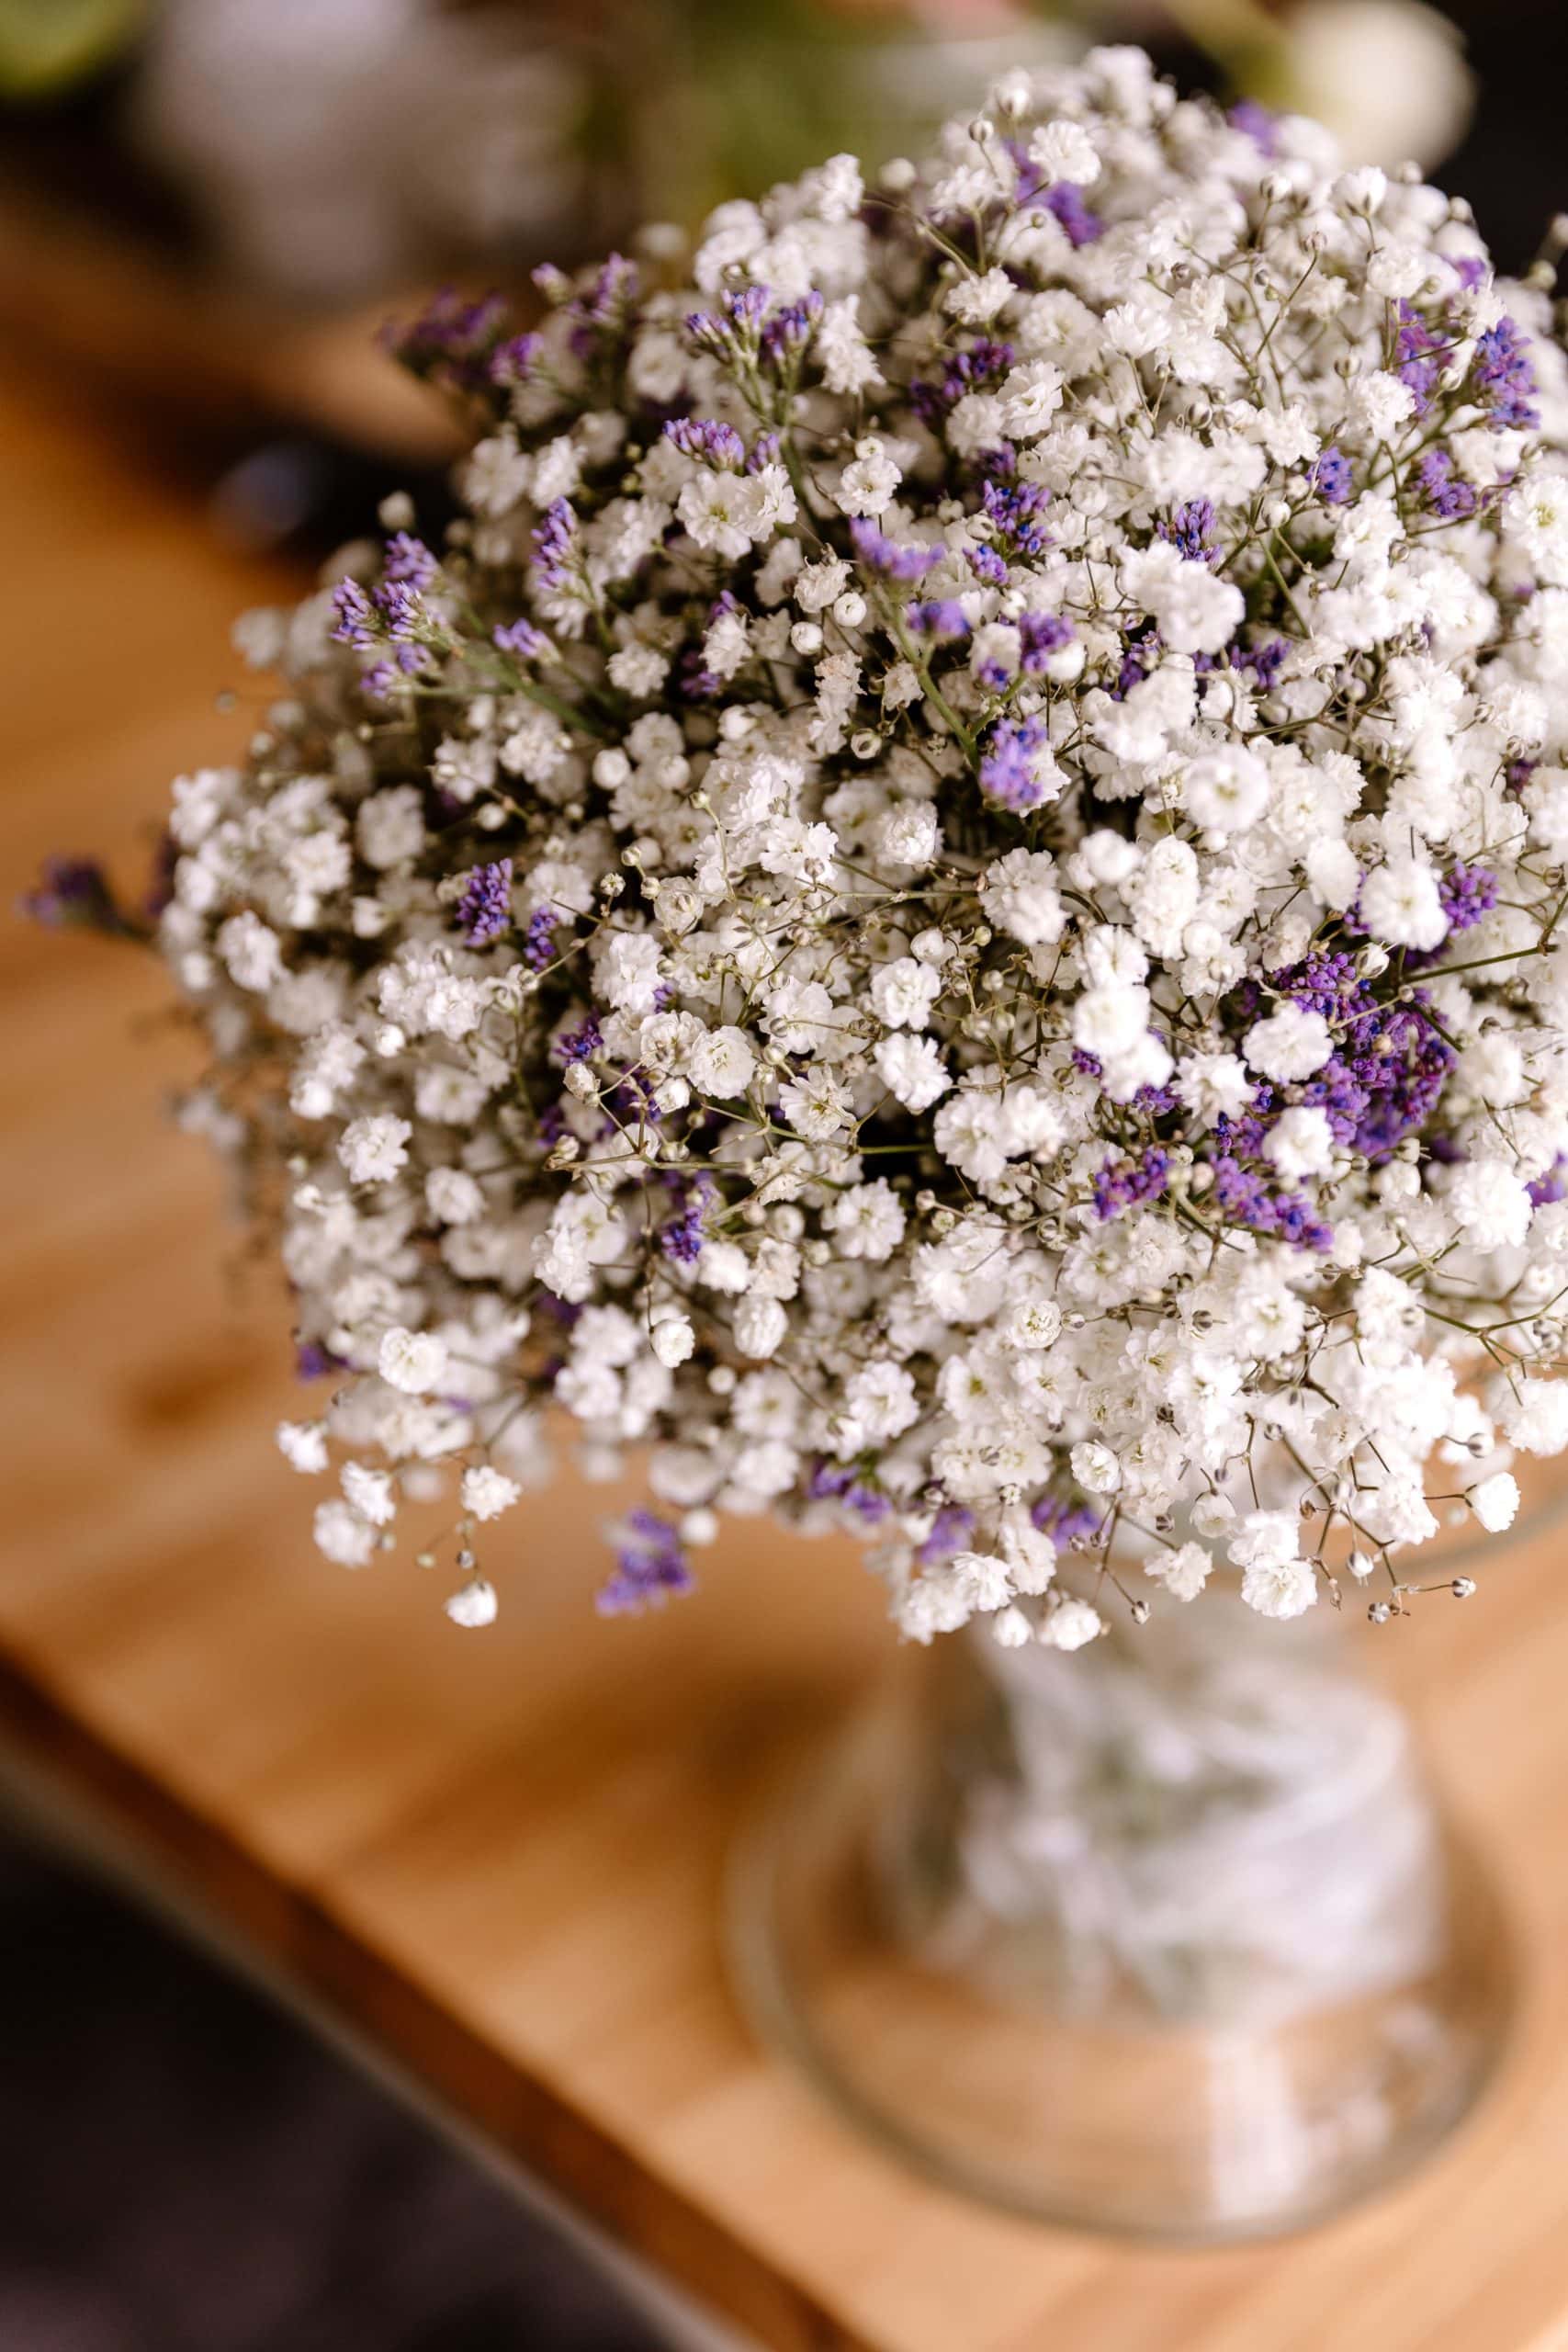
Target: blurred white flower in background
[(335, 147), (1387, 76), (332, 143)]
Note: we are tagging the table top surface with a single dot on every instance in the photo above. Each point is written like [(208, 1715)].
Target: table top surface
[(501, 1856)]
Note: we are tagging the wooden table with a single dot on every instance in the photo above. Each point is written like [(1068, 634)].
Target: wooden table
[(498, 1858)]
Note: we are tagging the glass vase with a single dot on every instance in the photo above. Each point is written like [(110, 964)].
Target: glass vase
[(1165, 1937)]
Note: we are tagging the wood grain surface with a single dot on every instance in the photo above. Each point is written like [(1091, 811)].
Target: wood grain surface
[(501, 1856)]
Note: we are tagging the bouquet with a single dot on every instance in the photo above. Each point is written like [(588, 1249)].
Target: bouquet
[(944, 904)]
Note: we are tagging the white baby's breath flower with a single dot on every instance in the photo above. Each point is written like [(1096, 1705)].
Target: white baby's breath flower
[(1280, 1587), (371, 1492), (1400, 903), (1495, 1502), (303, 1445), (1071, 1624), (673, 1341), (760, 1326), (474, 1606), (1010, 1628), (415, 1362), (375, 1149), (939, 912), (486, 1492), (342, 1534), (1290, 1043), (1183, 1573), (1065, 150), (911, 1069)]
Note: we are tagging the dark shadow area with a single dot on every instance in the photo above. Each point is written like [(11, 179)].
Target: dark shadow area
[(188, 2171)]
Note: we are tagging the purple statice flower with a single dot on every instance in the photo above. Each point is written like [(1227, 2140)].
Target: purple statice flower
[(538, 940), (520, 639), (1265, 662), (1297, 1222), (740, 327), (1063, 1522), (512, 363), (1241, 1136), (985, 363), (1502, 374), (408, 561), (1517, 774), (401, 609), (357, 618), (1121, 1183), (994, 672), (484, 910), (1007, 765), (764, 451), (1467, 892), (1385, 1077), (1246, 1199), (1544, 1190), (950, 1530), (1327, 982), (632, 1099), (1390, 1064), (878, 553), (1040, 636), (1257, 124), (1137, 659), (1191, 531), (555, 545), (681, 1239), (828, 1480), (578, 1045), (837, 1482), (1331, 477), (74, 893), (938, 617), (1066, 202), (1419, 352), (791, 329), (615, 286), (1030, 178), (707, 439), (651, 1563), (313, 1361), (1014, 510), (988, 566), (1445, 492), (453, 340)]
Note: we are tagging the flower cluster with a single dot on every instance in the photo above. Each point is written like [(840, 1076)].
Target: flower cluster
[(944, 904)]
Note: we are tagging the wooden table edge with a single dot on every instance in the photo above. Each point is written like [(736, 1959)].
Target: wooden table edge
[(295, 1940)]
